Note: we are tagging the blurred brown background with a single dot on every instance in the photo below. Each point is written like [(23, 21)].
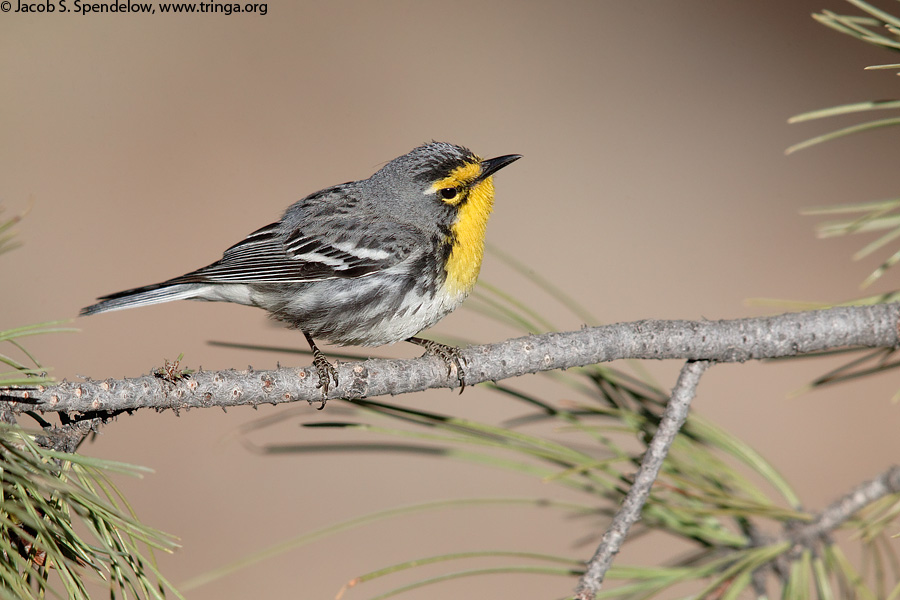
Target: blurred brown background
[(654, 185)]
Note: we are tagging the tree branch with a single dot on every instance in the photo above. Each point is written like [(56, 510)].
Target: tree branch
[(844, 508), (719, 341), (628, 514)]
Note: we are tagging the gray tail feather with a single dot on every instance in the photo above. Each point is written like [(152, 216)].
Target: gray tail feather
[(143, 296)]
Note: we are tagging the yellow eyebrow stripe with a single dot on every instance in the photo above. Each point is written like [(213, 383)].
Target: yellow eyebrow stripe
[(460, 176)]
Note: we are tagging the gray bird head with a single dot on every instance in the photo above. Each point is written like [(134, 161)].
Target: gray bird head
[(430, 185)]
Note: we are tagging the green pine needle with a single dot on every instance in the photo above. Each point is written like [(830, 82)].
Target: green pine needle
[(853, 129), (43, 495)]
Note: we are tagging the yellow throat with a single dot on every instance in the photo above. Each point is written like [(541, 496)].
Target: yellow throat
[(467, 232)]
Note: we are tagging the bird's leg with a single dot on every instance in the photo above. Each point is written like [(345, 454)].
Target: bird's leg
[(449, 354), (326, 370)]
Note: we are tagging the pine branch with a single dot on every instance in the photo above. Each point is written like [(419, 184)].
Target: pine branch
[(736, 340), (628, 514), (839, 511)]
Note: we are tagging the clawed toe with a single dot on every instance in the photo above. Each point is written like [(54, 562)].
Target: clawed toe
[(451, 355), (327, 372)]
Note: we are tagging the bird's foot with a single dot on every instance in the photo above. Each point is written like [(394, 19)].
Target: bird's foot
[(451, 355), (327, 372)]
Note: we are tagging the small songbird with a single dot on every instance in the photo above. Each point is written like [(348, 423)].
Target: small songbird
[(363, 263)]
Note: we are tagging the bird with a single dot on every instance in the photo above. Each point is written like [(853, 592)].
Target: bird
[(363, 263)]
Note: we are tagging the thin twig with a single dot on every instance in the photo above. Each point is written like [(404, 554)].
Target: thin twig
[(628, 514), (67, 437), (846, 507)]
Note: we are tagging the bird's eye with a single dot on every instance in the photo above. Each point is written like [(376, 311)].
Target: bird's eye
[(449, 193)]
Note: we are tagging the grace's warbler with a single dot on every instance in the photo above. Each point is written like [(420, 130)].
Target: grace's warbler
[(364, 263)]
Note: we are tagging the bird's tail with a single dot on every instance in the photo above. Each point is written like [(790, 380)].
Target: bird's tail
[(143, 296)]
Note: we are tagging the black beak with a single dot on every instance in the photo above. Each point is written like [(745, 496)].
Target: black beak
[(492, 165)]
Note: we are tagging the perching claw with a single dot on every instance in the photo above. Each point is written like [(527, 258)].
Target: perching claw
[(451, 355)]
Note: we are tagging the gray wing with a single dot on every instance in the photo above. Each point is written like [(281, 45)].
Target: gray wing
[(269, 255)]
